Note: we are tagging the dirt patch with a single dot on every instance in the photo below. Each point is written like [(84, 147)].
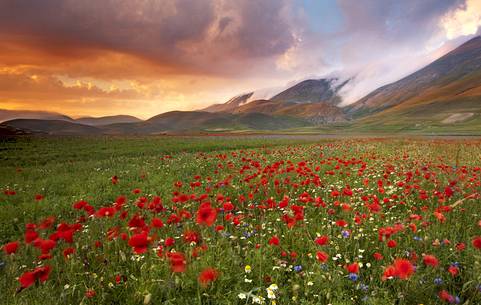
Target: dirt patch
[(457, 117)]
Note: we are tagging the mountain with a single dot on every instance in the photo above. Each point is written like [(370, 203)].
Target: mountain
[(231, 104), (314, 113), (107, 120), (314, 101), (52, 127), (312, 91), (445, 92), (7, 115)]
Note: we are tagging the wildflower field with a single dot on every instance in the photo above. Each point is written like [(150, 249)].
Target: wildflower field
[(240, 220)]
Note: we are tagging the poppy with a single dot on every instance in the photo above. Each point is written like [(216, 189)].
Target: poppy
[(274, 241), (169, 241), (477, 242), (322, 240), (322, 256), (207, 276), (139, 242), (11, 247), (430, 260), (206, 214), (378, 256), (90, 293), (157, 223), (29, 278), (68, 251), (353, 268), (404, 268), (177, 261), (391, 243)]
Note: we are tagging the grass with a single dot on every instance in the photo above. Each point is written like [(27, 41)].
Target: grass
[(66, 170)]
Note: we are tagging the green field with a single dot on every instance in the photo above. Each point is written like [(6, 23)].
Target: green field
[(255, 174)]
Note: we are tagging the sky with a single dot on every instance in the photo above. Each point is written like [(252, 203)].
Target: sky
[(145, 57)]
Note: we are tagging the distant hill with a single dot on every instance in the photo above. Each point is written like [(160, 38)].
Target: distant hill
[(53, 127), (107, 120), (7, 115), (170, 122), (447, 91), (176, 121)]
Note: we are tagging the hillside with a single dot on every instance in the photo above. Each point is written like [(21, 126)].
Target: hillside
[(311, 91), (107, 120), (52, 127), (8, 115), (446, 87)]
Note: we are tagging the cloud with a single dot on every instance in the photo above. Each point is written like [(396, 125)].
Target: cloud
[(463, 21), (181, 36), (149, 56)]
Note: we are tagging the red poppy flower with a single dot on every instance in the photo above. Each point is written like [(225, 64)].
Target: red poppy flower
[(114, 179), (139, 242), (404, 268), (157, 223), (460, 246), (30, 235), (378, 256), (341, 223), (137, 221), (322, 256), (430, 260), (207, 276), (389, 272), (169, 241), (274, 241), (353, 268), (453, 270), (228, 206), (39, 197), (105, 212), (90, 293), (191, 237), (477, 242), (136, 191), (445, 296), (322, 240), (68, 251), (29, 278), (11, 247), (206, 214), (177, 261), (391, 243), (45, 245)]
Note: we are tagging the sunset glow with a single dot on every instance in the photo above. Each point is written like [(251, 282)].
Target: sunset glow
[(147, 57)]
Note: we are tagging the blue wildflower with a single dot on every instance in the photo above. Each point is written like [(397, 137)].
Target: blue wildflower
[(363, 287), (353, 277), (438, 281)]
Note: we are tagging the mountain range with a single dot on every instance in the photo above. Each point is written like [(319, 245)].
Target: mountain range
[(444, 96)]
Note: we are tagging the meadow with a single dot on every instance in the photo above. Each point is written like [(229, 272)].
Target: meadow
[(240, 220)]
